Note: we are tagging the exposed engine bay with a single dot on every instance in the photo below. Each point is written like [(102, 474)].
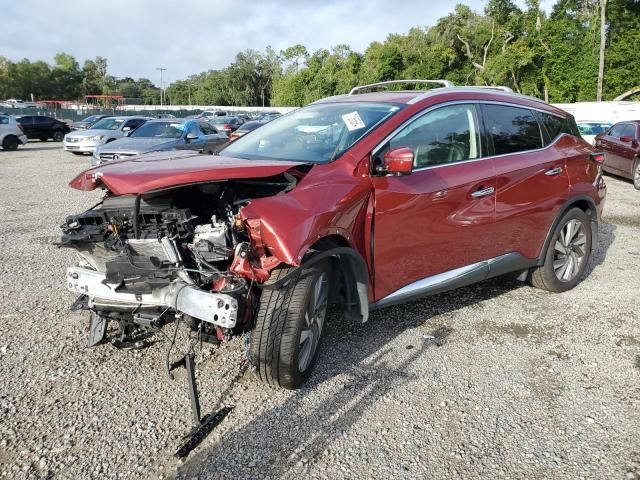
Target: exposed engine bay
[(183, 251)]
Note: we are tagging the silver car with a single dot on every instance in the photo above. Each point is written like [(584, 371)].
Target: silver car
[(160, 135), (11, 135), (105, 131)]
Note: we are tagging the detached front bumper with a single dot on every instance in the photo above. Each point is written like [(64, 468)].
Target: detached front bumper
[(23, 139), (216, 308)]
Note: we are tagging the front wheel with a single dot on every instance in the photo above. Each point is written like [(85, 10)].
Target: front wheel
[(636, 174), (567, 255), (58, 136), (286, 337)]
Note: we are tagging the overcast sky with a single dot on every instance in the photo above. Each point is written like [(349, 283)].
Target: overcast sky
[(193, 36)]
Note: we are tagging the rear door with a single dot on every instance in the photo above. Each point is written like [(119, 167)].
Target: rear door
[(532, 182), (441, 216)]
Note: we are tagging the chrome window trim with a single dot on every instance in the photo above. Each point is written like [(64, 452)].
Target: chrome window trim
[(386, 139)]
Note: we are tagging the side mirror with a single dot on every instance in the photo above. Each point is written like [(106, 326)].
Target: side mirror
[(626, 139), (398, 161), (191, 136)]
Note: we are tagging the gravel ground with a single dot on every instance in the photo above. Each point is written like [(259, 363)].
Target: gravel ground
[(518, 383)]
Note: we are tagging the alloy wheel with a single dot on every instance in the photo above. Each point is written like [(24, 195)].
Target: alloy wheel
[(570, 250), (314, 317)]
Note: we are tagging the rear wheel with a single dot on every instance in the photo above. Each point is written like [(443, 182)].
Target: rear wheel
[(567, 255), (58, 135), (289, 326), (636, 174), (10, 143)]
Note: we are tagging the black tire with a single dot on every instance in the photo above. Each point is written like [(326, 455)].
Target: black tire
[(563, 271), (10, 143), (635, 175), (78, 153), (44, 139), (276, 350), (58, 136)]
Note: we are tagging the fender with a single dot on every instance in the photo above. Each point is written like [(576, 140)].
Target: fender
[(568, 204)]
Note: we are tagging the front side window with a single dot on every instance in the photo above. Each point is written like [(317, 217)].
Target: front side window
[(617, 129), (629, 131), (317, 133), (446, 135), (512, 129)]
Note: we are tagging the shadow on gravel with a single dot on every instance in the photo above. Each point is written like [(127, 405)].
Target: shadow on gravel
[(607, 236), (364, 369), (42, 146)]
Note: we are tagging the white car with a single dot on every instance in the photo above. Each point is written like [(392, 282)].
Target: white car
[(590, 128), (106, 130), (11, 135)]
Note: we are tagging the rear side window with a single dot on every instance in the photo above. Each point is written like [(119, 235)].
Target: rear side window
[(555, 126), (4, 120), (512, 129)]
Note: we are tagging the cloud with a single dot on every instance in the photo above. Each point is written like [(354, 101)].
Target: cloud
[(195, 36)]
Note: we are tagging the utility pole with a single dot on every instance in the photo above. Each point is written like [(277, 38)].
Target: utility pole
[(603, 39), (161, 85)]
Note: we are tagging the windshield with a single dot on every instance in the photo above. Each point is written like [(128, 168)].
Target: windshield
[(316, 134), (159, 130), (90, 119), (107, 124), (593, 128)]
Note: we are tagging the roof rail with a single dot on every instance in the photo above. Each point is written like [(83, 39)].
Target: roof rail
[(443, 83), (495, 87)]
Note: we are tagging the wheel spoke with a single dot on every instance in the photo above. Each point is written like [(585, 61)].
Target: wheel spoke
[(563, 270), (561, 262), (559, 247)]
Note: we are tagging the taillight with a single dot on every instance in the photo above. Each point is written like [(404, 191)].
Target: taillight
[(598, 158)]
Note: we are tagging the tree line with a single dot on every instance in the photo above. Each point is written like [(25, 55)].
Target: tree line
[(580, 51)]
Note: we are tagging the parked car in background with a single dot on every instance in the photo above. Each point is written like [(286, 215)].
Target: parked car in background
[(11, 134), (87, 122), (621, 147), (226, 124), (104, 131), (364, 200), (246, 128), (268, 116), (209, 114), (159, 135), (165, 115), (589, 129), (43, 128)]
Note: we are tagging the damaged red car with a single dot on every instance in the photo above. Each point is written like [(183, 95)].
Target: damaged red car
[(363, 200)]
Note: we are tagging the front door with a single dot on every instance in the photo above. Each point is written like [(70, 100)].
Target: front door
[(441, 216)]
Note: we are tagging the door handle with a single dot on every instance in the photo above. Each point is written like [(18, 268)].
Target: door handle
[(484, 192), (553, 171)]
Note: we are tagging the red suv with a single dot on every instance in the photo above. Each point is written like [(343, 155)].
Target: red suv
[(363, 200), (622, 150)]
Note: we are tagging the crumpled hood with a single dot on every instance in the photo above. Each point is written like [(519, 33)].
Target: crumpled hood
[(138, 145), (157, 170)]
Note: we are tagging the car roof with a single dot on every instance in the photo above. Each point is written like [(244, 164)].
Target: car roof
[(415, 96)]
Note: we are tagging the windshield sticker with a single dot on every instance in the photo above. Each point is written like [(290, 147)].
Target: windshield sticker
[(353, 121)]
